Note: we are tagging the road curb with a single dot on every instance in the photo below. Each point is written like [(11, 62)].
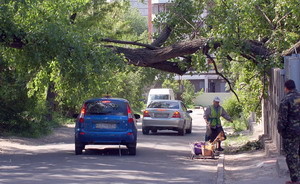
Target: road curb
[(220, 170)]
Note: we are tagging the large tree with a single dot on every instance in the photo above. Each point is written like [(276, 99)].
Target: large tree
[(255, 30), (54, 50), (51, 58), (235, 34)]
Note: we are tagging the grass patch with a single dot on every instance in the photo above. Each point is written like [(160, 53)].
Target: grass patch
[(237, 143), (239, 124)]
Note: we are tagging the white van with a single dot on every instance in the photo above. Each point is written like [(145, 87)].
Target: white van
[(160, 94)]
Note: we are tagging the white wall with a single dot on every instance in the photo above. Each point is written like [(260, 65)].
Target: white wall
[(160, 1), (142, 7), (206, 99)]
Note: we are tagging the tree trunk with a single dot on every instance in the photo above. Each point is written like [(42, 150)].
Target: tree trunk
[(50, 100)]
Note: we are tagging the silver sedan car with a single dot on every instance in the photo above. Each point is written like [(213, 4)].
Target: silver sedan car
[(167, 115)]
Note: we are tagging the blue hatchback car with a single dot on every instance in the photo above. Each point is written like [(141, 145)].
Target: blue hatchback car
[(106, 121)]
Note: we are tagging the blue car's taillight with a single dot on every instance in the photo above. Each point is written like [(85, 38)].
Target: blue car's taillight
[(82, 113), (130, 116)]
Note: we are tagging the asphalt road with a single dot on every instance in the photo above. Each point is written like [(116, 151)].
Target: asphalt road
[(161, 158)]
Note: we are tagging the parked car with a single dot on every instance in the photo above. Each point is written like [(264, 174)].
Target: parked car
[(106, 121), (167, 115)]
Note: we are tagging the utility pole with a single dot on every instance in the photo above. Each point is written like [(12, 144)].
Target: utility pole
[(150, 25)]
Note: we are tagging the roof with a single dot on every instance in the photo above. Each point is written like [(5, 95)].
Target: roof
[(293, 50), (166, 101), (116, 99), (160, 91)]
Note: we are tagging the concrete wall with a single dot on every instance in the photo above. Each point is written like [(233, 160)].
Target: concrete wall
[(271, 105), (292, 69), (206, 99)]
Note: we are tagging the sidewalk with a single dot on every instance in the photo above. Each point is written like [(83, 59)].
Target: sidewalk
[(254, 167)]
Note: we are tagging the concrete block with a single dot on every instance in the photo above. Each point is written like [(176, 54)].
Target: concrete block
[(220, 170), (281, 166)]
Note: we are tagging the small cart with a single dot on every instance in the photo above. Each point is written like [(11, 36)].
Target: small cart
[(206, 150)]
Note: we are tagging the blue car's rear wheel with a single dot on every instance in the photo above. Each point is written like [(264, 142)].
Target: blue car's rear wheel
[(131, 149), (78, 148)]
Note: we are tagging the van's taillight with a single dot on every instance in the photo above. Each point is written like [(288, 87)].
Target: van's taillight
[(82, 113), (146, 114), (176, 115), (130, 117)]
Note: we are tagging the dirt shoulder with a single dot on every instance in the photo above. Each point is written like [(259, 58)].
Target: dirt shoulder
[(64, 134)]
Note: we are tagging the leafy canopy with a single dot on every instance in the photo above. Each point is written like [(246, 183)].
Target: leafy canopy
[(52, 58)]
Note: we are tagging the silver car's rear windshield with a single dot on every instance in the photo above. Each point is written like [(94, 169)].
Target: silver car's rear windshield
[(106, 107), (164, 105)]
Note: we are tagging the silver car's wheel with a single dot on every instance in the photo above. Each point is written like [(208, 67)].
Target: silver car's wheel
[(190, 129), (154, 130), (145, 131), (182, 131)]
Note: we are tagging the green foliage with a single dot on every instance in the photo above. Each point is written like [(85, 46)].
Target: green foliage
[(249, 86), (60, 54), (240, 124), (54, 47), (233, 107), (181, 15), (232, 23), (136, 21)]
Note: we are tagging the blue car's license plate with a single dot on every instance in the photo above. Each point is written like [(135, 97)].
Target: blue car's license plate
[(106, 125)]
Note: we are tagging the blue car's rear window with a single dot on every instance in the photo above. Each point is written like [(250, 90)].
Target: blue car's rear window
[(164, 105), (106, 107)]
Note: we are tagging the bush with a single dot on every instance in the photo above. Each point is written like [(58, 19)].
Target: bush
[(240, 124), (233, 107), (235, 110)]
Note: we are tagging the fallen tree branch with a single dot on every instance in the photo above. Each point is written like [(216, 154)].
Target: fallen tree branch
[(163, 36), (146, 57), (130, 43)]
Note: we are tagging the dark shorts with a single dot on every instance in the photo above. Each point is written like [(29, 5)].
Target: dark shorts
[(212, 133)]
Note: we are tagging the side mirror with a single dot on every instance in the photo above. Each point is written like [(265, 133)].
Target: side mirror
[(75, 115), (137, 116), (189, 111)]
